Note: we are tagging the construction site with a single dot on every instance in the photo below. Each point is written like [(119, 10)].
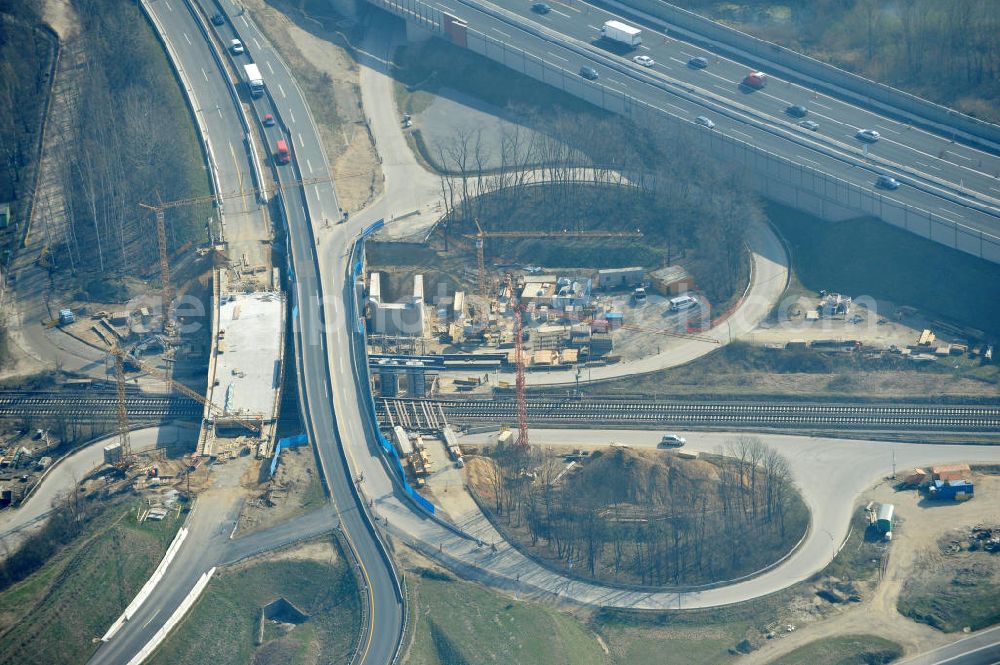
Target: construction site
[(469, 338)]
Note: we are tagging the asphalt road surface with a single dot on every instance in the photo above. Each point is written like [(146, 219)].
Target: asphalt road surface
[(935, 172), (323, 386)]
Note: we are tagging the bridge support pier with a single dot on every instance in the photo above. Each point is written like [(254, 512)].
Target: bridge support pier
[(346, 8), (416, 32)]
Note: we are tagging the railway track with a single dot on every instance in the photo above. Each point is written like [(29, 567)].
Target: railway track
[(430, 414), (95, 406), (422, 414)]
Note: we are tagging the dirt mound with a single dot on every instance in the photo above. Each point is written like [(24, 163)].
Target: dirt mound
[(626, 475)]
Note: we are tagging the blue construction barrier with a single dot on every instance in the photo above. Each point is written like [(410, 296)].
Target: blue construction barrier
[(386, 445), (287, 442), (372, 228)]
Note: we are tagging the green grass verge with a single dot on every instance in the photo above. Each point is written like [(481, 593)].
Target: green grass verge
[(844, 650), (457, 623), (687, 637), (53, 615), (222, 628), (740, 369), (870, 257), (965, 598)]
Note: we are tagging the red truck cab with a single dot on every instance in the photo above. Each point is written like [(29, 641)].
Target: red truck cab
[(281, 154), (756, 80)]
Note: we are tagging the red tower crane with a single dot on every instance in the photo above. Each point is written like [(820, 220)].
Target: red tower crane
[(519, 389)]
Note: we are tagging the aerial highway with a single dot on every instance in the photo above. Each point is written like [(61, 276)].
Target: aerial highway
[(951, 181), (328, 416), (207, 543)]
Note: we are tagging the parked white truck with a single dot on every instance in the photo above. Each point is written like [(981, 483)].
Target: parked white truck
[(254, 80), (621, 33)]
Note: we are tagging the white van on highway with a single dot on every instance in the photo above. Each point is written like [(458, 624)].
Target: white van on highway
[(683, 302)]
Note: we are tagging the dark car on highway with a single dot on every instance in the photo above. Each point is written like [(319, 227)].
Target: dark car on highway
[(797, 111), (218, 19), (698, 62), (588, 73), (541, 8), (886, 182)]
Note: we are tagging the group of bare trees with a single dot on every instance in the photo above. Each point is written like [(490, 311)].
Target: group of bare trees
[(26, 54), (605, 173), (134, 144), (633, 519)]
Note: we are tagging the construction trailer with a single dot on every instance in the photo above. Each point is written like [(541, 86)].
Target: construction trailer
[(885, 519)]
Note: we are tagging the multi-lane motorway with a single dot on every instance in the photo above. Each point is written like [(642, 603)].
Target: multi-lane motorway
[(321, 390), (956, 182), (327, 359)]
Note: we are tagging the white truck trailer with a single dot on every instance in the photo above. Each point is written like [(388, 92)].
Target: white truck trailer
[(254, 80), (620, 33)]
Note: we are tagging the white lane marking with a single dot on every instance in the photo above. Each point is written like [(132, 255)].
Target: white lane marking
[(778, 99), (268, 63), (187, 39), (686, 55), (168, 5), (736, 131), (929, 166), (674, 106), (806, 159), (556, 11), (822, 106), (204, 73), (309, 166), (616, 81), (282, 91), (827, 118), (557, 56), (616, 90), (949, 213), (721, 78), (291, 115), (316, 191), (677, 61), (256, 43), (500, 32), (643, 47), (218, 110), (151, 619), (995, 189), (887, 129), (594, 28), (955, 154), (302, 143), (720, 87), (445, 7), (244, 19)]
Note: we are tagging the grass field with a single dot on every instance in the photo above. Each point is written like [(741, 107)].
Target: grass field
[(967, 596), (54, 615), (457, 623), (222, 627), (844, 650), (464, 624), (876, 259), (741, 369)]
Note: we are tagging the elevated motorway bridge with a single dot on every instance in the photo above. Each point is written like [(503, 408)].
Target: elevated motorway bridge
[(950, 191)]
